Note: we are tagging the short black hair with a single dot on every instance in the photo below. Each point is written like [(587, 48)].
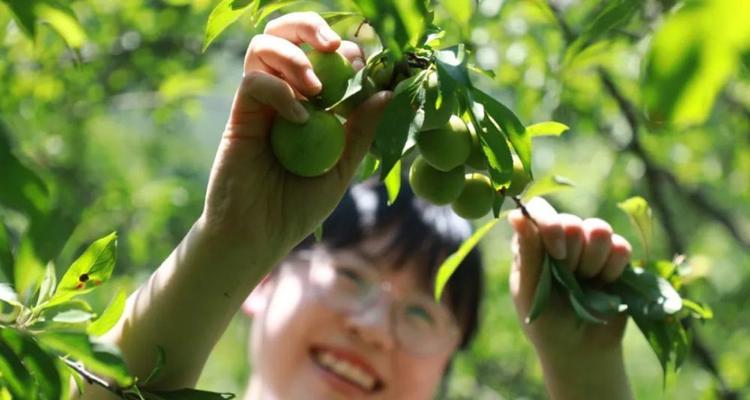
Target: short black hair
[(423, 232)]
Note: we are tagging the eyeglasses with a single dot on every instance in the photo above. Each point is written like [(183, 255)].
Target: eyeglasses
[(421, 325)]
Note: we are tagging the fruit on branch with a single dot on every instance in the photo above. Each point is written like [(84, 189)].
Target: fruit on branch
[(434, 116), (477, 159), (334, 71), (476, 198), (446, 147), (519, 180), (308, 149), (381, 73), (435, 186)]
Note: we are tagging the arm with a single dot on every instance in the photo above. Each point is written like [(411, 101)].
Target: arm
[(579, 361), (255, 212)]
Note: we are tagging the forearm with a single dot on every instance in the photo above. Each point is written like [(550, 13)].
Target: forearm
[(599, 376), (186, 305)]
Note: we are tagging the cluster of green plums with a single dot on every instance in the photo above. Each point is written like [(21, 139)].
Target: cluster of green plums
[(450, 167)]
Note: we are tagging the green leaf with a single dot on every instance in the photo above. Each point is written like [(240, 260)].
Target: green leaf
[(542, 292), (399, 23), (603, 302), (187, 394), (615, 14), (96, 264), (402, 120), (48, 284), (6, 255), (449, 266), (224, 14), (494, 146), (334, 17), (265, 10), (547, 185), (24, 14), (581, 310), (699, 310), (160, 361), (97, 357), (40, 364), (638, 210), (459, 10), (62, 315), (367, 168), (566, 278), (110, 316), (547, 128), (30, 195), (17, 378), (647, 294), (353, 87), (318, 233), (393, 182), (10, 307), (510, 125), (63, 20)]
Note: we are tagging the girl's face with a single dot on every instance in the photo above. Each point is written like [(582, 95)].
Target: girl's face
[(303, 348)]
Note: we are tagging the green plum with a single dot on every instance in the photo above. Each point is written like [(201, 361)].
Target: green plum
[(476, 198), (519, 180), (433, 185), (334, 71), (308, 149), (447, 147)]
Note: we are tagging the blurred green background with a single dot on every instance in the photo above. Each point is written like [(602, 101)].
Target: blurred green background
[(121, 112)]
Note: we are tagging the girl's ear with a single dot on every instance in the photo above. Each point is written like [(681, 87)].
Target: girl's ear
[(258, 298)]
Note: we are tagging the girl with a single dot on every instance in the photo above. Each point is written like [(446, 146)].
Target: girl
[(351, 317)]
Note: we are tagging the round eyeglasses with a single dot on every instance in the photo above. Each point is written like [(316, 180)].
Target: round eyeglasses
[(421, 325)]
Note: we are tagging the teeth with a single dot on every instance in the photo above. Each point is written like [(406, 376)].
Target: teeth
[(347, 370)]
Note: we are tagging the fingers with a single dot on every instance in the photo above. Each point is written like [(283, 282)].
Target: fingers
[(305, 27), (588, 247), (353, 53), (279, 56), (360, 131), (259, 92)]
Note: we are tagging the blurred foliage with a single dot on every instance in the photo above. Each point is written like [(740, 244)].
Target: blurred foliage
[(120, 113)]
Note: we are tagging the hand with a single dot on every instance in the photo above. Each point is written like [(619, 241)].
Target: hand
[(566, 346), (252, 202)]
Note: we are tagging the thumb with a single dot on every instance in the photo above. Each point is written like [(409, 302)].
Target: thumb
[(527, 261), (360, 131)]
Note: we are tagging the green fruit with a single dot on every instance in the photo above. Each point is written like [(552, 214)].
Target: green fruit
[(477, 159), (437, 117), (518, 180), (334, 71), (447, 147), (476, 198), (381, 73), (308, 149), (347, 106), (435, 186)]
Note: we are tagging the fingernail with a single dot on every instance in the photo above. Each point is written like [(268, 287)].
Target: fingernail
[(312, 81), (300, 114), (328, 35), (358, 64)]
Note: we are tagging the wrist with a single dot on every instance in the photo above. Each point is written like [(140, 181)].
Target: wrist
[(591, 375)]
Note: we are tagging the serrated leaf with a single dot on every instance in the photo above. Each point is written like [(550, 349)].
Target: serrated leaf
[(547, 128), (638, 210), (393, 182), (542, 292), (547, 185), (97, 357), (109, 316), (510, 124), (449, 266), (224, 14), (96, 264)]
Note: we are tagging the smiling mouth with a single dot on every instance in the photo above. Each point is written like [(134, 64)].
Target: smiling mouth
[(346, 371)]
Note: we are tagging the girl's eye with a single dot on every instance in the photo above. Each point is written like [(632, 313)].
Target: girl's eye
[(417, 312)]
